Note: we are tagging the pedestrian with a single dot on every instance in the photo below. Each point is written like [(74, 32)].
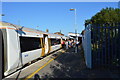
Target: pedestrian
[(70, 43), (76, 48), (63, 44), (67, 44)]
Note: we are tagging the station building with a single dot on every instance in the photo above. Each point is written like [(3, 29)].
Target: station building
[(77, 36)]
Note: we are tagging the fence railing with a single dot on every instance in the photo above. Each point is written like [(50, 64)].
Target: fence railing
[(104, 45)]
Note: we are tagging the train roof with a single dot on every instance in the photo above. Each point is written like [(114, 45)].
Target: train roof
[(25, 29), (9, 25)]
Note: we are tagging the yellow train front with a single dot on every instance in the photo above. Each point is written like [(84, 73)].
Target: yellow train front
[(20, 45)]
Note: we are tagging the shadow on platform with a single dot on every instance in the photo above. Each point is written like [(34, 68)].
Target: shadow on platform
[(72, 65)]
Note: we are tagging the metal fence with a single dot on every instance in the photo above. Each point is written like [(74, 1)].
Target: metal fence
[(104, 43), (86, 42)]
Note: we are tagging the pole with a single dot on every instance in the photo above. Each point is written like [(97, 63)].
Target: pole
[(75, 24)]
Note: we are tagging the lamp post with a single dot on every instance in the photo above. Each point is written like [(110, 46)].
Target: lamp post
[(75, 24)]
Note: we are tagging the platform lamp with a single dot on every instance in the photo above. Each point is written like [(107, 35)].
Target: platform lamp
[(75, 24)]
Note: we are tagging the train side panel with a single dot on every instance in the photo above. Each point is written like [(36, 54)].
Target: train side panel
[(31, 47), (13, 51), (55, 44), (1, 55), (31, 55), (55, 47)]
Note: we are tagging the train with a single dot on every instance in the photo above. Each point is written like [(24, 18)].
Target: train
[(20, 45)]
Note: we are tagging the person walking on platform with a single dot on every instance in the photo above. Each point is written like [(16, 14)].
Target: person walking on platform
[(63, 44), (67, 44), (72, 43), (76, 48)]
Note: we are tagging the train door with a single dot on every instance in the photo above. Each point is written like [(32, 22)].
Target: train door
[(46, 44)]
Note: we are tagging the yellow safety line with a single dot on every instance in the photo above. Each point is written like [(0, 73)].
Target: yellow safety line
[(41, 68)]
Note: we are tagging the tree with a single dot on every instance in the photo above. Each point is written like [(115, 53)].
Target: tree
[(108, 15)]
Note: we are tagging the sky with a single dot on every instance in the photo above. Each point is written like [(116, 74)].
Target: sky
[(60, 0), (54, 16)]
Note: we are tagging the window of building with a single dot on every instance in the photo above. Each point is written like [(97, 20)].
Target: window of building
[(29, 43)]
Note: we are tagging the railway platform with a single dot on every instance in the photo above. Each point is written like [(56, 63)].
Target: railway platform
[(63, 64)]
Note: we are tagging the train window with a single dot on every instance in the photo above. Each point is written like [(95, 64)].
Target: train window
[(55, 41), (29, 43)]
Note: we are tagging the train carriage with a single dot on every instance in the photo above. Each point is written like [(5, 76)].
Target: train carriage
[(20, 45)]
